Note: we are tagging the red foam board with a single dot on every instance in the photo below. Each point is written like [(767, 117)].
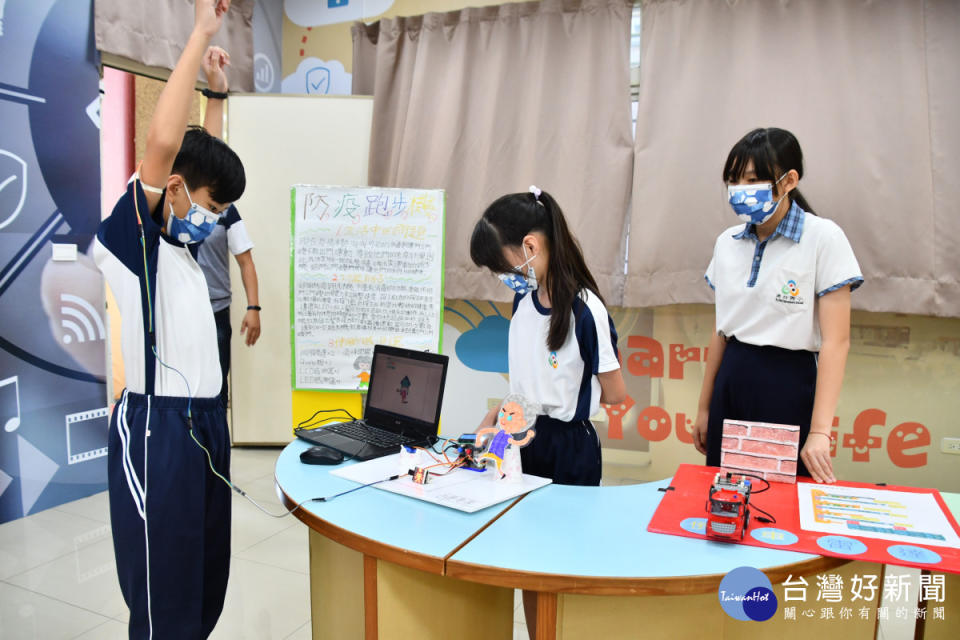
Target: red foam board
[(685, 503)]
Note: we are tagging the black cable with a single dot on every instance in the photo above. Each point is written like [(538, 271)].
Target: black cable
[(750, 475), (313, 425), (318, 411), (771, 520), (343, 493)]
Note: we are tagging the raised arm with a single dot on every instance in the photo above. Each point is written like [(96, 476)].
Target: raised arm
[(214, 61), (169, 121)]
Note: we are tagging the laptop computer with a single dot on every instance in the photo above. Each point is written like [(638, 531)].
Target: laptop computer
[(404, 397)]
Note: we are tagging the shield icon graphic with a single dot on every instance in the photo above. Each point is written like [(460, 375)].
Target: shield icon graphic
[(318, 80), (13, 186)]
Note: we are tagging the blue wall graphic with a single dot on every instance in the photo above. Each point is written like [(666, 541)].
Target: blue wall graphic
[(53, 410)]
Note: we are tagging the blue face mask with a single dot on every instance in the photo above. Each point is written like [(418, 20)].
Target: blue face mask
[(517, 281), (753, 203), (195, 226)]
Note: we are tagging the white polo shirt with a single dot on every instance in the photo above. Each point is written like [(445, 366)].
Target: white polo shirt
[(767, 292), (564, 382)]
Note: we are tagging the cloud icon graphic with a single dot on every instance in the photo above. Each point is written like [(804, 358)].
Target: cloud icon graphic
[(314, 13), (485, 348), (316, 77)]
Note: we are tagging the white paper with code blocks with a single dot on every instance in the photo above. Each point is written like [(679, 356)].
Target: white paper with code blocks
[(366, 268), (460, 489), (886, 514)]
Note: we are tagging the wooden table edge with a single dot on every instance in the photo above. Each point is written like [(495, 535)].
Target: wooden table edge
[(380, 550), (609, 586)]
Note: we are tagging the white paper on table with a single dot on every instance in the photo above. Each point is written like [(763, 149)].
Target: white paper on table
[(459, 489), (875, 513)]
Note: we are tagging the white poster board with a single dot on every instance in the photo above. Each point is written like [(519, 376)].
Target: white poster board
[(460, 489), (902, 516), (366, 269), (283, 140)]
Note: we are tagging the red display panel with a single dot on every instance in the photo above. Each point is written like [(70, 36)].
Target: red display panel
[(683, 512)]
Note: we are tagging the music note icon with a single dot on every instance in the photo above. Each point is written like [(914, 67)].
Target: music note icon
[(10, 404)]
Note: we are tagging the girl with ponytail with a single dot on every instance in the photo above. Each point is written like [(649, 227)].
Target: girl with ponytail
[(563, 346), (782, 281)]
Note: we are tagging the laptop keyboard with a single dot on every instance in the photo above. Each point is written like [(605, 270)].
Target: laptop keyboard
[(359, 430)]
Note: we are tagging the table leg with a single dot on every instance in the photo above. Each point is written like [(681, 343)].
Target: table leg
[(546, 615)]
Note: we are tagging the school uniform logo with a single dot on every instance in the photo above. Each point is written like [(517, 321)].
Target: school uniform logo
[(554, 362), (789, 293)]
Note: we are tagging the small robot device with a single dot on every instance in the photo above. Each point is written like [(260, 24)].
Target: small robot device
[(470, 452), (728, 511)]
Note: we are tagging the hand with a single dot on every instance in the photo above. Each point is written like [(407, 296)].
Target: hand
[(816, 455), (208, 16), (700, 432), (214, 60), (251, 321)]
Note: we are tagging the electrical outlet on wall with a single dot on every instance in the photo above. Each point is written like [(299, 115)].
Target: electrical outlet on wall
[(950, 445)]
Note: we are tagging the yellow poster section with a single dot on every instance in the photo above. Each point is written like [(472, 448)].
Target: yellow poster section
[(334, 404)]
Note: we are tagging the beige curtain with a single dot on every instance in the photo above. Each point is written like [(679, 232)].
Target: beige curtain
[(488, 101), (872, 91), (138, 35)]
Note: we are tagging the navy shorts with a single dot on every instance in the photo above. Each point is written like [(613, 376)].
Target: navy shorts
[(762, 384), (565, 452)]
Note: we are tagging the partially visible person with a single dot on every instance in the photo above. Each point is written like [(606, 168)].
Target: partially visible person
[(228, 237)]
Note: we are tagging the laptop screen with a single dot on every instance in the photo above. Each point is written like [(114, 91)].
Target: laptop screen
[(406, 384)]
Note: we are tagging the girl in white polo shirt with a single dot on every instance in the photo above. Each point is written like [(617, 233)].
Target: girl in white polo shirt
[(782, 284), (563, 345)]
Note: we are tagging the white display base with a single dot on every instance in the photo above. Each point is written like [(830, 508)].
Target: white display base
[(460, 489)]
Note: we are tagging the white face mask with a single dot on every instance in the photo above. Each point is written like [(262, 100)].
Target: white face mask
[(516, 280)]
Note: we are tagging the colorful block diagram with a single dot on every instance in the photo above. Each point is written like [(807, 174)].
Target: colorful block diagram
[(865, 515)]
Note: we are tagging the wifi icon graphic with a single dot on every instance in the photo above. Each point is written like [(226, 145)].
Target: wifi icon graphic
[(80, 321)]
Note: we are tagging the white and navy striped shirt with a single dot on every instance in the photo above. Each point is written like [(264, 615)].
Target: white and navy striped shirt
[(564, 382), (182, 327), (767, 292)]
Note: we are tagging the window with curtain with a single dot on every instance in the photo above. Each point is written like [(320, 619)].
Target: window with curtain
[(872, 93), (487, 101)]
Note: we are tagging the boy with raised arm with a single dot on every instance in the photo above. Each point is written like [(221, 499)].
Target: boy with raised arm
[(168, 441)]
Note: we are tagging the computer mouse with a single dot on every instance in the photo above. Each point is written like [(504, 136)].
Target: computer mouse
[(321, 455)]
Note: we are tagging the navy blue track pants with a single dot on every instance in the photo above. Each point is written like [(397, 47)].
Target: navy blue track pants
[(169, 514)]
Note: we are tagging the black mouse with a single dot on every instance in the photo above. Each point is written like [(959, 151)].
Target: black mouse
[(321, 455)]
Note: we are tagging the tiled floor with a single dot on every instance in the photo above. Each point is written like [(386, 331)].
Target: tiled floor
[(58, 579)]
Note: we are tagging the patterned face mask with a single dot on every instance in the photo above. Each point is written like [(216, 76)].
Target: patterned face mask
[(516, 280), (753, 203), (195, 226)]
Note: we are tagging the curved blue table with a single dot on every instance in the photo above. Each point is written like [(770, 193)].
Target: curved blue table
[(384, 565)]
